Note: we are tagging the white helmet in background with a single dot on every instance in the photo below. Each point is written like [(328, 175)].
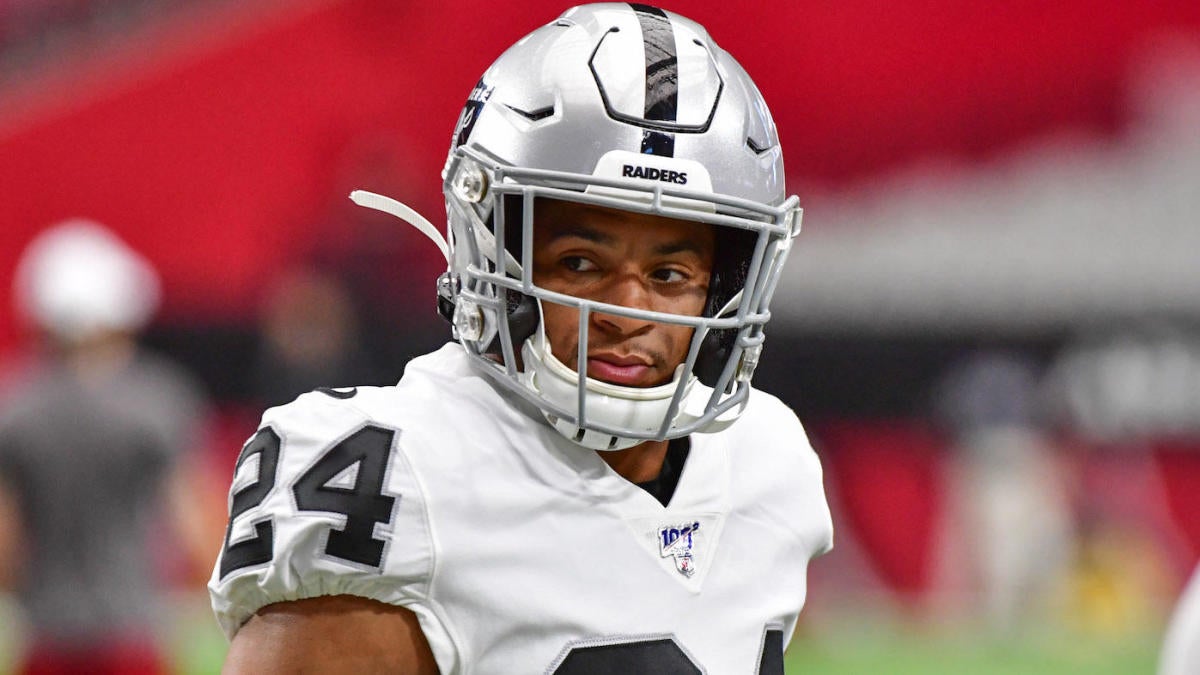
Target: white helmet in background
[(77, 280), (631, 107)]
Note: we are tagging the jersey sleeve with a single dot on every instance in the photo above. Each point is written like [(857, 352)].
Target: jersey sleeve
[(797, 465), (323, 502), (818, 530), (1181, 646)]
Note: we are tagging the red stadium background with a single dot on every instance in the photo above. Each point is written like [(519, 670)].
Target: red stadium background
[(222, 138), (212, 140)]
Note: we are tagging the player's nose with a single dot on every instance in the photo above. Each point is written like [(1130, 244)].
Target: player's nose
[(625, 291)]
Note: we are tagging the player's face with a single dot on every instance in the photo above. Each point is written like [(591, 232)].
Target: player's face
[(628, 259)]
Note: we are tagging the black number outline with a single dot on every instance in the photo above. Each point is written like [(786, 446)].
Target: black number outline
[(260, 548)]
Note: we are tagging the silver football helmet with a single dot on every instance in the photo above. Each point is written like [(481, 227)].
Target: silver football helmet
[(630, 107)]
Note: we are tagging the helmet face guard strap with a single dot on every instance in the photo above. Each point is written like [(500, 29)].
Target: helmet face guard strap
[(578, 111)]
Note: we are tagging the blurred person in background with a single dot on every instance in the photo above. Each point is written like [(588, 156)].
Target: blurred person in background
[(1014, 522), (308, 338), (584, 480), (1115, 397), (94, 480)]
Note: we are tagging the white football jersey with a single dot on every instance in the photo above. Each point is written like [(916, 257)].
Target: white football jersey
[(519, 551), (1181, 647)]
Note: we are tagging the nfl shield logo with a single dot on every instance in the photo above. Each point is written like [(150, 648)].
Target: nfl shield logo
[(678, 541)]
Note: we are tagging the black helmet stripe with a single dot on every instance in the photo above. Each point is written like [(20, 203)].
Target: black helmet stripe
[(662, 63), (662, 77)]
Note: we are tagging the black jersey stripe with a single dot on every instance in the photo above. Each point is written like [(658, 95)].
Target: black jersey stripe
[(662, 77)]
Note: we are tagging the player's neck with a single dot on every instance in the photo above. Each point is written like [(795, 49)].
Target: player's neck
[(638, 464)]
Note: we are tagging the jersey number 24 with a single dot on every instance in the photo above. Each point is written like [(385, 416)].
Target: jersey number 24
[(364, 504)]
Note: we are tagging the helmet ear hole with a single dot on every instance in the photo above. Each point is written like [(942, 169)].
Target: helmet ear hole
[(734, 248), (523, 317), (730, 266), (521, 310), (514, 212), (715, 349)]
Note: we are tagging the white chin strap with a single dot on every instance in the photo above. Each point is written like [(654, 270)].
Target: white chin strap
[(402, 211), (639, 410)]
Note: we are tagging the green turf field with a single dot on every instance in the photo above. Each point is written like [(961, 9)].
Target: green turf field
[(879, 650), (850, 647), (897, 654)]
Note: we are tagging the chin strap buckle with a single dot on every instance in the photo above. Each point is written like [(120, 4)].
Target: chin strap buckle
[(748, 363)]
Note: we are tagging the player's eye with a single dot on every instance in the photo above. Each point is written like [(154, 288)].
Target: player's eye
[(670, 275), (578, 263)]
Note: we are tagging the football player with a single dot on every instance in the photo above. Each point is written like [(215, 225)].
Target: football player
[(563, 488)]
